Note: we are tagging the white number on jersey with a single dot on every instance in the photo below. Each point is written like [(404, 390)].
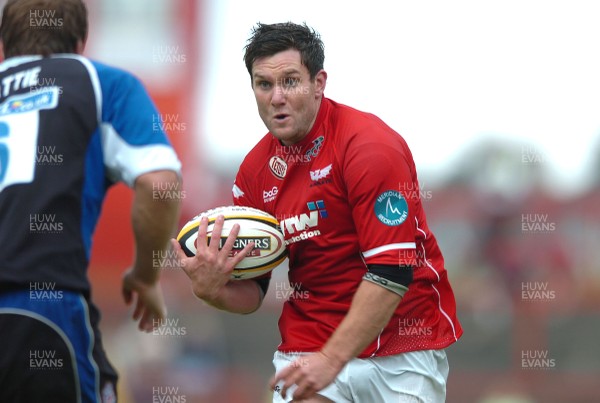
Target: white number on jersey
[(19, 131)]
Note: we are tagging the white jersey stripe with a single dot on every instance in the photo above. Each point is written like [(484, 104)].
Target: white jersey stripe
[(125, 162), (419, 229), (95, 83), (385, 248), (378, 344), (444, 312), (429, 264), (435, 289)]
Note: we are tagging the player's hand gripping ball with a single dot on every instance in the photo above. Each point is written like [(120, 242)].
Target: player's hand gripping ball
[(255, 226)]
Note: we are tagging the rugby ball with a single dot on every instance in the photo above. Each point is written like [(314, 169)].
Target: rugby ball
[(255, 225)]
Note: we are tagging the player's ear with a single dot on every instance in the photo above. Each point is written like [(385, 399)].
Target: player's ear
[(1, 51), (320, 83), (80, 46)]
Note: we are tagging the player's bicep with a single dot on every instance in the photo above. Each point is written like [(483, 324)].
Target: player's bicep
[(375, 175), (132, 131)]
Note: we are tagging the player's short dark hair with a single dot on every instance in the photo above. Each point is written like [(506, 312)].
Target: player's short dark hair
[(43, 27), (269, 39)]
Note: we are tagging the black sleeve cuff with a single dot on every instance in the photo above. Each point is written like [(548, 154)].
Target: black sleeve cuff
[(402, 275)]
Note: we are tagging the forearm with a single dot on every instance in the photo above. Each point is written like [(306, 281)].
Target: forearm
[(242, 297), (370, 311), (154, 221)]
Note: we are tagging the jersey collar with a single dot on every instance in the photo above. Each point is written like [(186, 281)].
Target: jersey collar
[(16, 60)]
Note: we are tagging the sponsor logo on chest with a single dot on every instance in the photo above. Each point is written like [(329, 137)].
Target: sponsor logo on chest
[(270, 195), (305, 225), (278, 167)]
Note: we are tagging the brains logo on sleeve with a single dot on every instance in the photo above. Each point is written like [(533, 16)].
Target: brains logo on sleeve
[(391, 208)]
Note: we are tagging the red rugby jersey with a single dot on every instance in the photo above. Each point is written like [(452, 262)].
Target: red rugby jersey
[(347, 195)]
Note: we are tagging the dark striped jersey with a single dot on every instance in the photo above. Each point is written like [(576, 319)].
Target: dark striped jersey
[(346, 196), (69, 129)]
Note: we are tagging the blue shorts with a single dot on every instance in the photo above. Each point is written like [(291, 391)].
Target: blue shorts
[(50, 349)]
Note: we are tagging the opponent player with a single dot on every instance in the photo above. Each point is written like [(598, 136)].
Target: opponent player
[(69, 129), (374, 311)]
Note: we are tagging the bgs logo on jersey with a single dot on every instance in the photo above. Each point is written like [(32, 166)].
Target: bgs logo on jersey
[(391, 208), (270, 195)]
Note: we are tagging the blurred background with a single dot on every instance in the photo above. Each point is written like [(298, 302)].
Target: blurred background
[(500, 104)]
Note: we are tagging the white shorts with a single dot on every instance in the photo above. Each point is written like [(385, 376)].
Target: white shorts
[(415, 377)]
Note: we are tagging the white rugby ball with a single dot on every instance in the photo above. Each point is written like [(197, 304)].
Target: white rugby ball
[(255, 225)]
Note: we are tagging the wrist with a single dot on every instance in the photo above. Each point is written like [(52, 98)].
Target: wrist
[(211, 296), (337, 357), (147, 277)]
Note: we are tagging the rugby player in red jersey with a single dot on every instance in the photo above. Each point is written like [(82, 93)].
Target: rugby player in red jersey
[(375, 310)]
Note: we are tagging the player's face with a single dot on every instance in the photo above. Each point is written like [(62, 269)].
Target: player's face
[(288, 100)]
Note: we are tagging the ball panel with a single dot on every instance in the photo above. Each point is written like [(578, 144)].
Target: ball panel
[(187, 238)]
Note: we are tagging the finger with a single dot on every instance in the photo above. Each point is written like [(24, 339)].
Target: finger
[(230, 241), (215, 237), (139, 309), (291, 381), (176, 247), (127, 295), (278, 377), (201, 239), (303, 391), (285, 378), (148, 322), (143, 322), (235, 260), (180, 256), (162, 312), (226, 252)]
